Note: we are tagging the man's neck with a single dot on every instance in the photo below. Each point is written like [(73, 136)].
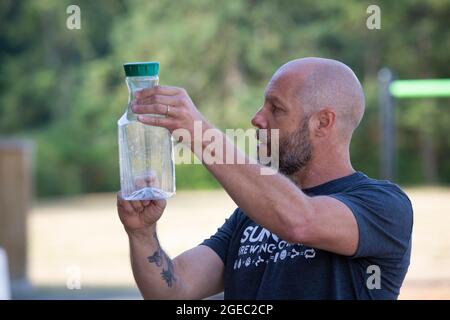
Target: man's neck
[(319, 171)]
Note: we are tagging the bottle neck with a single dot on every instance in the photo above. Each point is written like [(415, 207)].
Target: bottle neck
[(135, 84)]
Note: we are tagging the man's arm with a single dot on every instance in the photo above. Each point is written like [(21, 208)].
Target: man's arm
[(276, 203), (272, 201), (194, 274)]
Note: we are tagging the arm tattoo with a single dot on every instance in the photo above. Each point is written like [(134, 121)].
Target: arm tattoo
[(156, 258), (160, 259)]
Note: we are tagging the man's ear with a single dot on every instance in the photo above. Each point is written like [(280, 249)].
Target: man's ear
[(324, 121)]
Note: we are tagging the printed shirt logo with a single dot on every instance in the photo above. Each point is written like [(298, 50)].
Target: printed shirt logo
[(259, 247)]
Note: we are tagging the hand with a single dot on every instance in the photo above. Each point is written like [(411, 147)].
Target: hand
[(173, 103), (139, 217)]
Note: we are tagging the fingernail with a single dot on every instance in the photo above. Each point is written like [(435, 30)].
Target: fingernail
[(146, 203), (140, 118)]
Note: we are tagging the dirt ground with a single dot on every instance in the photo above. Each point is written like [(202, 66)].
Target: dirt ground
[(82, 237)]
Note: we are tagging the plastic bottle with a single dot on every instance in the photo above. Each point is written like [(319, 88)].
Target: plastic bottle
[(147, 170)]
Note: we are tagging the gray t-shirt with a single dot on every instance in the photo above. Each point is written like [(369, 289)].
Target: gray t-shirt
[(260, 265)]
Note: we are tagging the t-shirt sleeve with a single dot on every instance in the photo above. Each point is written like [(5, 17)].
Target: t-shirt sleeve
[(220, 241), (384, 216)]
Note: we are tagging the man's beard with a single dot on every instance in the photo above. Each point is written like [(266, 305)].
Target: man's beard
[(294, 150)]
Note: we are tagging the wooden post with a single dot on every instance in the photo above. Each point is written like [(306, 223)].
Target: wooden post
[(15, 196)]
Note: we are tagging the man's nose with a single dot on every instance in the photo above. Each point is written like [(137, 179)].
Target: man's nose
[(259, 120)]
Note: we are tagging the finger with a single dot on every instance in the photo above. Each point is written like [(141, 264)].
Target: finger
[(163, 90), (137, 206), (145, 203), (146, 180), (125, 205), (161, 99), (140, 182), (161, 204), (152, 180), (155, 109), (156, 121)]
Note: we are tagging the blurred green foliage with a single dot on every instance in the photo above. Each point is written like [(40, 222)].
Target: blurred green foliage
[(65, 88)]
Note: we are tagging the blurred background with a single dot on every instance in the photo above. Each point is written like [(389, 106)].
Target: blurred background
[(62, 91)]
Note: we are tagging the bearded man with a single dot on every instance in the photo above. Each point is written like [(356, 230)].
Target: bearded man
[(317, 229)]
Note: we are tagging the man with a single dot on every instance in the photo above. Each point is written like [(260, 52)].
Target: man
[(316, 230)]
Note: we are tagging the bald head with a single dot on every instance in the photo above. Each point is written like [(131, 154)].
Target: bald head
[(321, 83)]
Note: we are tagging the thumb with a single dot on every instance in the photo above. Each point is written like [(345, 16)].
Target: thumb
[(160, 204)]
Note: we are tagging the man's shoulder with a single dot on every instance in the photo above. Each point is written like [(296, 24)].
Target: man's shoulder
[(383, 187), (383, 195)]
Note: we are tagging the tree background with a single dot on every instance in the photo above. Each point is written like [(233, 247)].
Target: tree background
[(65, 88)]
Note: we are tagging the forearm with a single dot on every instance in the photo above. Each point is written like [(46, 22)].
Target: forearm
[(249, 189), (153, 270)]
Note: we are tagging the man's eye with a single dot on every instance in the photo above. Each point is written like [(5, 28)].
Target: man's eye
[(275, 109)]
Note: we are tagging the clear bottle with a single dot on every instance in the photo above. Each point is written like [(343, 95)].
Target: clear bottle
[(147, 169)]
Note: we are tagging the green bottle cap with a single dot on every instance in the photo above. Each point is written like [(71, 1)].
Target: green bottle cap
[(141, 69)]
